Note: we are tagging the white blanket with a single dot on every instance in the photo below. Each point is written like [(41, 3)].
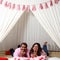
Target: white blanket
[(54, 58), (50, 58)]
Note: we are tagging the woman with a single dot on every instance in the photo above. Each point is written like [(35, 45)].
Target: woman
[(36, 50)]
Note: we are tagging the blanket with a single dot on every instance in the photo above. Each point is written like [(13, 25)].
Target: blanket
[(37, 58)]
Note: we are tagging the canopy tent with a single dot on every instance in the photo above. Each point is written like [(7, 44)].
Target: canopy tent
[(48, 16)]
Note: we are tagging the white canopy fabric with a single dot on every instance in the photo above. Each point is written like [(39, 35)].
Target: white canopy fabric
[(50, 20), (7, 21), (48, 17)]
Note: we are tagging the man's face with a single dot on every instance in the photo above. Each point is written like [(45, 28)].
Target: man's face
[(23, 47), (22, 53)]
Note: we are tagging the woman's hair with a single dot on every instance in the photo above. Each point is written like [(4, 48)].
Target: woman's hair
[(31, 52), (39, 49)]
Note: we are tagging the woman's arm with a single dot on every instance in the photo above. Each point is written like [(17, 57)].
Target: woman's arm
[(44, 54)]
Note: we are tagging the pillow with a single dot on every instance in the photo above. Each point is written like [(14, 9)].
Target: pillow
[(7, 52), (2, 58)]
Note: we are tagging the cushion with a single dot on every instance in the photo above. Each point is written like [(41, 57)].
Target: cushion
[(2, 58), (7, 52)]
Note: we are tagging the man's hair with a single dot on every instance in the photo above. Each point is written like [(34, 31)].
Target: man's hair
[(18, 46), (24, 44)]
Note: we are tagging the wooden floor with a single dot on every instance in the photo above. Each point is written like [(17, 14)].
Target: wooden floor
[(2, 54), (52, 54)]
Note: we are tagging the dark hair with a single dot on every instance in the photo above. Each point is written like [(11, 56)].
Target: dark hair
[(18, 46), (39, 49), (24, 44), (31, 52)]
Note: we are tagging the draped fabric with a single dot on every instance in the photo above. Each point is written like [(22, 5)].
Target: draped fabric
[(8, 18), (50, 20)]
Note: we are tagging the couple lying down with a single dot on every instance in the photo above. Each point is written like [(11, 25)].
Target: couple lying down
[(35, 53)]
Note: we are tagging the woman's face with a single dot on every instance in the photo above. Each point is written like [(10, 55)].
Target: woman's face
[(35, 48)]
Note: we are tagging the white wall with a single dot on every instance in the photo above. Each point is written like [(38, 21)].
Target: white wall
[(29, 30)]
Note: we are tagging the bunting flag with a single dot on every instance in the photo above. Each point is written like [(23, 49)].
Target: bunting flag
[(51, 3), (18, 7), (46, 5), (56, 1), (8, 4), (13, 6), (33, 8), (28, 8), (41, 6), (23, 7), (1, 1)]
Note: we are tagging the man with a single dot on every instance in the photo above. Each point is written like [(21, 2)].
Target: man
[(22, 51)]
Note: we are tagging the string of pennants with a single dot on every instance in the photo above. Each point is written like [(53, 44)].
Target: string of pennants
[(13, 6)]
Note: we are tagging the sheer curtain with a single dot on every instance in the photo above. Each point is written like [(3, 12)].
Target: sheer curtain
[(8, 18), (49, 18)]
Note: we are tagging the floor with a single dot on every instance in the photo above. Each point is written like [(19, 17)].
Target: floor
[(52, 54)]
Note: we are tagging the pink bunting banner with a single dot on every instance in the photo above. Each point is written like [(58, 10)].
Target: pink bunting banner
[(41, 6)]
